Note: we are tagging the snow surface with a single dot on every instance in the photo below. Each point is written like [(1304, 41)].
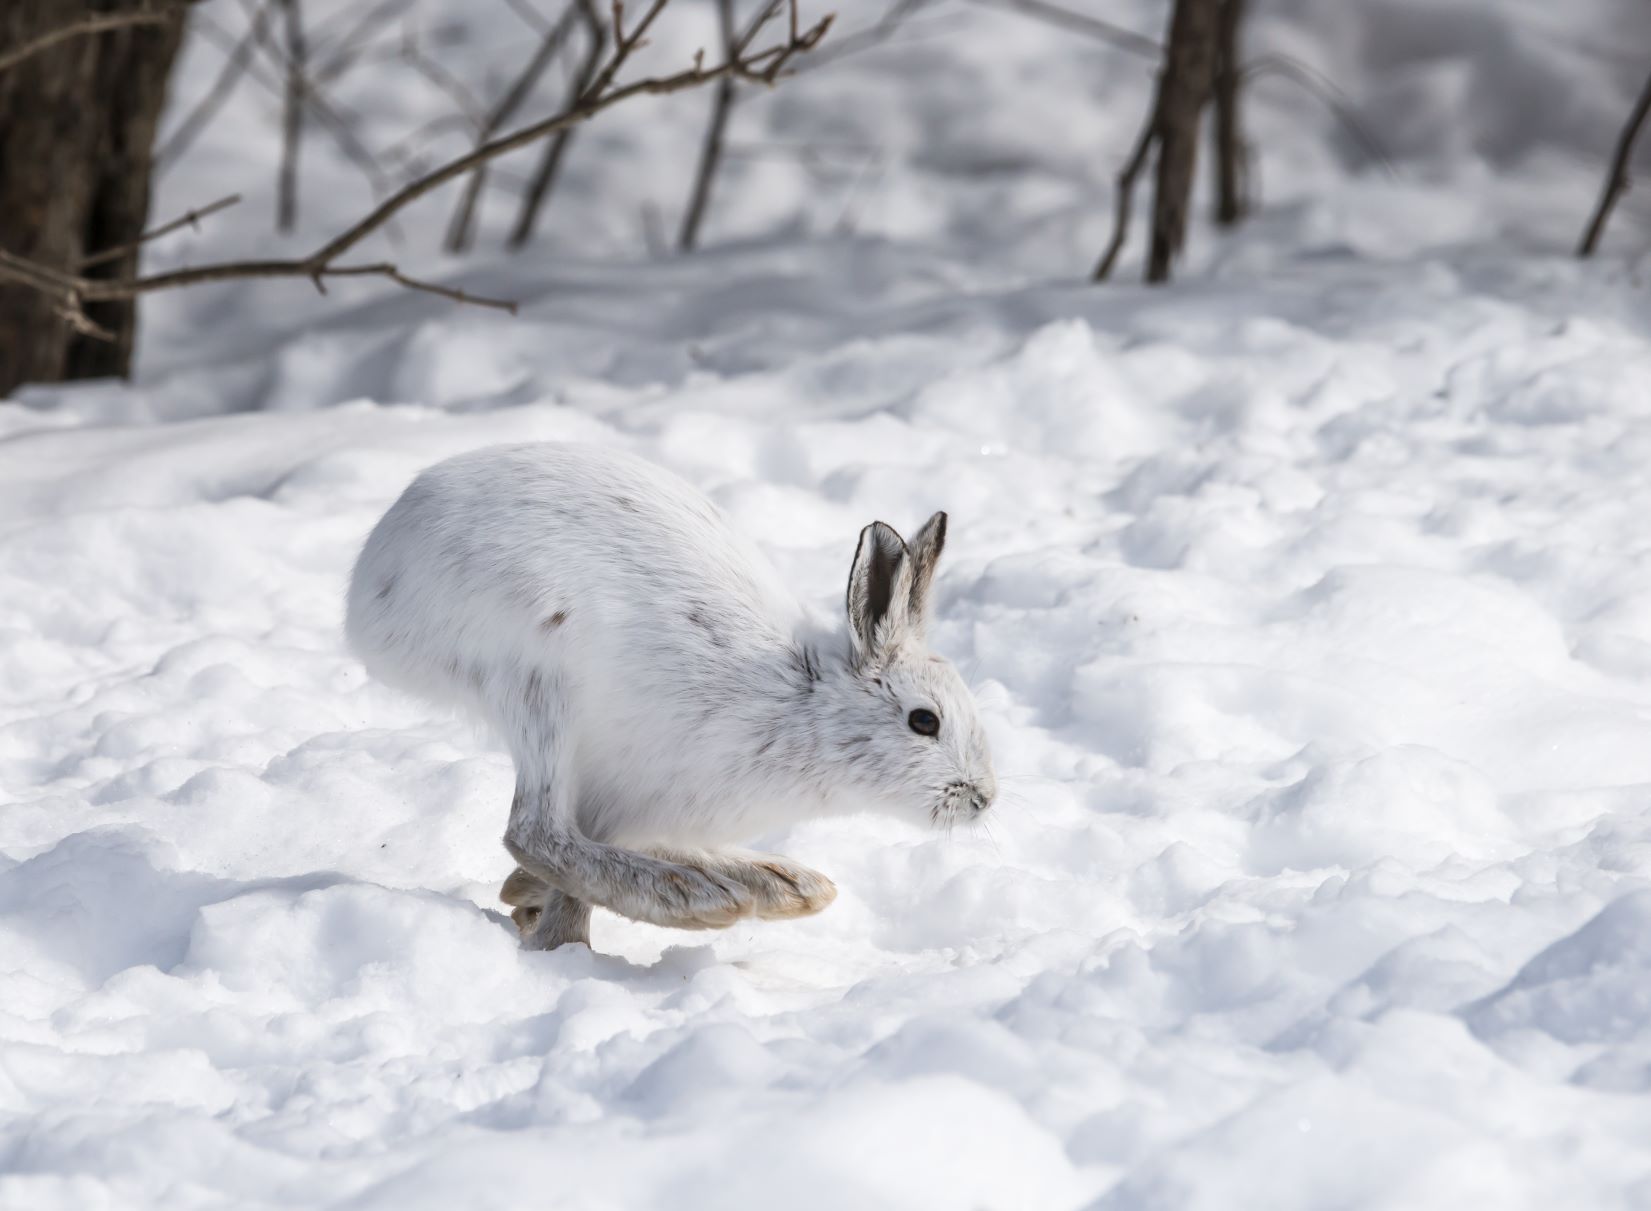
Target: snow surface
[(1308, 602)]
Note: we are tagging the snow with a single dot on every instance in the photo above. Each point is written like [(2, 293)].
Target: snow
[(1308, 602)]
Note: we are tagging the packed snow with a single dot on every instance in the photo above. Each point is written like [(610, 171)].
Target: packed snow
[(1307, 602)]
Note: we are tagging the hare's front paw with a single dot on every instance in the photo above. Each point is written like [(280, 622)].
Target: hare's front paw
[(688, 897), (781, 888)]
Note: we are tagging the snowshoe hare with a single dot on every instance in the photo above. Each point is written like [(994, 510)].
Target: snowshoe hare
[(662, 691)]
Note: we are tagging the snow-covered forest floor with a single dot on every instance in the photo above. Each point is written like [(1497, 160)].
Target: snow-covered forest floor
[(1308, 601)]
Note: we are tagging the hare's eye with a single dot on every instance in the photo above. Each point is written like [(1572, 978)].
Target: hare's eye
[(924, 722)]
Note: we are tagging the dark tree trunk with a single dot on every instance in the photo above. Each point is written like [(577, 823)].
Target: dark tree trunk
[(1183, 89), (292, 120), (1231, 197), (77, 126)]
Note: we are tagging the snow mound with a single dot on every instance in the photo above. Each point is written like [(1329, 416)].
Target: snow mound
[(1307, 603)]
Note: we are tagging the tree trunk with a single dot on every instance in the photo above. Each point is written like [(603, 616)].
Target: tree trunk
[(1183, 89), (1231, 201), (77, 126)]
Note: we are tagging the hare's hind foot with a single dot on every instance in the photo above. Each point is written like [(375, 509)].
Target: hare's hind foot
[(545, 917), (559, 920), (780, 889), (523, 890)]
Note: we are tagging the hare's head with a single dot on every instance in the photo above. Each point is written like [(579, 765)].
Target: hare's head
[(908, 721)]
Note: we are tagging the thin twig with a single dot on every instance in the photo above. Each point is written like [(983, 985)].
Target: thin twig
[(1126, 195), (1083, 23), (464, 100), (348, 46), (235, 65), (710, 153), (411, 146), (292, 119), (1324, 89), (531, 17), (335, 123), (73, 290), (887, 26), (1309, 78), (763, 16), (101, 23), (624, 45), (191, 219), (1616, 182), (462, 227), (387, 270), (550, 163)]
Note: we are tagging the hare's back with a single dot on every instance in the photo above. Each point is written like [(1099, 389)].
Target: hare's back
[(505, 552)]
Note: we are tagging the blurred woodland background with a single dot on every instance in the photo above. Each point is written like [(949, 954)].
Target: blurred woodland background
[(91, 116)]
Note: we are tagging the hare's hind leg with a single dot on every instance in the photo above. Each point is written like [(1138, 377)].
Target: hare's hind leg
[(779, 888), (522, 890), (545, 917), (559, 920), (544, 837)]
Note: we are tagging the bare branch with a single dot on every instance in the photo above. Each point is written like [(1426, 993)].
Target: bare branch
[(409, 149), (464, 100), (722, 104), (532, 17), (1323, 89), (73, 289), (623, 46), (384, 269), (73, 314), (191, 219), (766, 67), (1293, 69), (887, 26), (1616, 182), (1126, 196), (461, 229), (349, 46), (1082, 23), (335, 123), (292, 119), (598, 97), (765, 14), (544, 176), (235, 65), (101, 23)]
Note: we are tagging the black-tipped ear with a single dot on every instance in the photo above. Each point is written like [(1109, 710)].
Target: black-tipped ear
[(879, 591), (924, 552)]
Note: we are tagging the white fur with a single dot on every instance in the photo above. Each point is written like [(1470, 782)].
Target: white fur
[(658, 685)]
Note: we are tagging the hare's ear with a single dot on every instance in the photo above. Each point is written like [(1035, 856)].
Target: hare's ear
[(879, 593), (924, 554)]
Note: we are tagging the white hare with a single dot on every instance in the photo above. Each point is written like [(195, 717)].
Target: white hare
[(662, 692)]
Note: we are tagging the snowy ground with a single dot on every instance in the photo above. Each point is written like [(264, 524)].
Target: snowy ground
[(1309, 603)]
